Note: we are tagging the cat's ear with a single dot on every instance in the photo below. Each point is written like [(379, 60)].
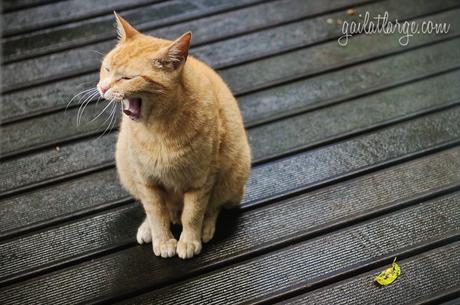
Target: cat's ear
[(124, 30), (175, 55)]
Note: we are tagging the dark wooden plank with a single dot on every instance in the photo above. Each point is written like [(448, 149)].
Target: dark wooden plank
[(455, 301), (89, 63), (423, 276), (237, 20), (237, 50), (56, 127), (55, 13), (206, 29), (83, 236), (364, 244), (71, 159), (383, 146), (315, 167), (14, 5), (58, 202), (319, 259), (373, 193), (77, 157), (316, 127), (275, 69), (330, 88)]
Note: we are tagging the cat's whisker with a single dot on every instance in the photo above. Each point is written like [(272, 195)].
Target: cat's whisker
[(84, 97), (98, 99), (103, 110), (79, 108), (97, 52), (112, 116), (115, 118), (112, 110), (82, 107), (84, 92)]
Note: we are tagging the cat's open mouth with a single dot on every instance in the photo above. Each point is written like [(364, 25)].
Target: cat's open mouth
[(132, 108)]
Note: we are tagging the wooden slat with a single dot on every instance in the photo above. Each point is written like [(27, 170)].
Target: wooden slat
[(275, 69), (237, 50), (272, 103), (454, 301), (14, 5), (329, 88), (206, 29), (381, 147), (423, 275), (237, 20), (376, 192), (71, 159), (57, 13), (356, 153), (319, 259), (361, 245), (314, 169), (57, 202), (305, 130), (78, 59)]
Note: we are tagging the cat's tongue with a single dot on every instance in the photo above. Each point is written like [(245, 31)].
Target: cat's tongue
[(132, 108)]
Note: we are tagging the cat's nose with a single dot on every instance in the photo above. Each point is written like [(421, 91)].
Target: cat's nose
[(104, 89)]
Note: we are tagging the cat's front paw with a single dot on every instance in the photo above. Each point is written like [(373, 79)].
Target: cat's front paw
[(164, 248), (144, 235), (188, 248)]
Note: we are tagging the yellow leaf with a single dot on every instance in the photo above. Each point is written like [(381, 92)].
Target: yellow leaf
[(390, 274)]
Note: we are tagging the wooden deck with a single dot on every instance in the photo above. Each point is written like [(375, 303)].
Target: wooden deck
[(356, 157)]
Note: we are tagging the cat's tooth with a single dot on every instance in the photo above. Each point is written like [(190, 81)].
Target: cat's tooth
[(125, 103)]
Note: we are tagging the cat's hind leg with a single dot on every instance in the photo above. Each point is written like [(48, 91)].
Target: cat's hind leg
[(222, 197), (209, 223)]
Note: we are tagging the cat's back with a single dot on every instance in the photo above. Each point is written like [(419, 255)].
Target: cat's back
[(226, 102), (233, 135)]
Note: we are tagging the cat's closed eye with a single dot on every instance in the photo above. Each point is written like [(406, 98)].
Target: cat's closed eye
[(126, 77)]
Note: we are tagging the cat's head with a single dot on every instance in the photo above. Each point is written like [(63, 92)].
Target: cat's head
[(142, 72)]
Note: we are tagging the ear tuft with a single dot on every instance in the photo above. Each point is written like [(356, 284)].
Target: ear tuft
[(175, 55), (125, 31)]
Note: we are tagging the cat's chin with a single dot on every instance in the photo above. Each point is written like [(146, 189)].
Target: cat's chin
[(132, 108)]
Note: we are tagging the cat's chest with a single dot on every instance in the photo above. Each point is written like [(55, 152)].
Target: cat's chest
[(159, 157), (161, 162)]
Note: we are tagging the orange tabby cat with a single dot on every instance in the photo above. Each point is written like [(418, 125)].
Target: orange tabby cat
[(182, 148)]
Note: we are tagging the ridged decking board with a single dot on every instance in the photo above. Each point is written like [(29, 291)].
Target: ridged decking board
[(13, 5), (55, 128), (356, 157), (276, 69), (43, 16), (415, 286), (318, 258), (250, 19), (402, 185), (325, 255), (220, 54)]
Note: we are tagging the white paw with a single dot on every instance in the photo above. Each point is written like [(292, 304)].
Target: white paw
[(208, 232), (144, 235), (165, 248), (188, 248)]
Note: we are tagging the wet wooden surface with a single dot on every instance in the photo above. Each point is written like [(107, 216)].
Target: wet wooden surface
[(356, 157)]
